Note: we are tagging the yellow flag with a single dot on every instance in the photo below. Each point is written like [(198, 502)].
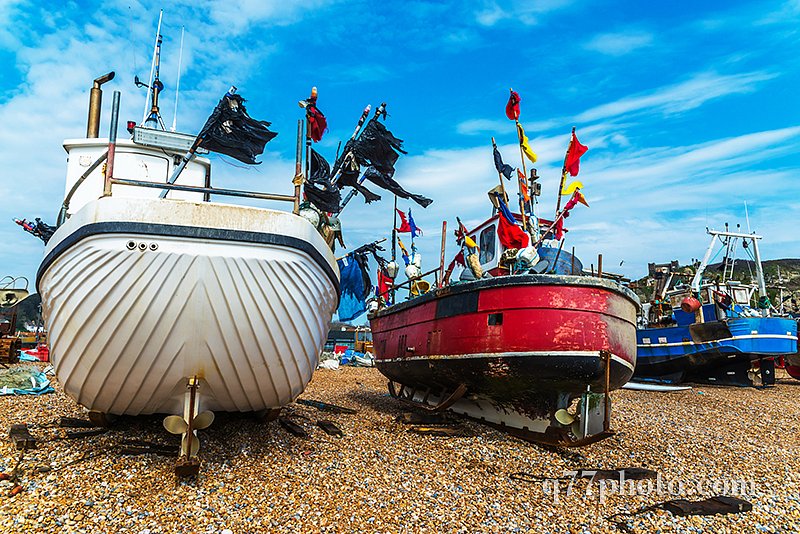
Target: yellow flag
[(580, 198), (569, 189), (523, 142), (470, 242)]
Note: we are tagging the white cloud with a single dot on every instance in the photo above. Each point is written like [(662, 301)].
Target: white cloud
[(682, 96), (619, 44), (528, 13)]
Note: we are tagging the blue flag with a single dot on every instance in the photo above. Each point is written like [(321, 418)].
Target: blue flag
[(415, 231), (352, 303), (505, 211)]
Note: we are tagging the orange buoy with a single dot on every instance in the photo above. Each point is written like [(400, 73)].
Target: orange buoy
[(690, 304)]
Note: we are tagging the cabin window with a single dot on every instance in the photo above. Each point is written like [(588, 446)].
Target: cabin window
[(488, 236)]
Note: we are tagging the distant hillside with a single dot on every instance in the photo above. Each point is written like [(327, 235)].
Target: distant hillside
[(744, 271)]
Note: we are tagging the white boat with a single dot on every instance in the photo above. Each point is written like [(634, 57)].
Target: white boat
[(178, 305)]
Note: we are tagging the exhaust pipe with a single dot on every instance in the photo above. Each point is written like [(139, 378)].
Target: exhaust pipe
[(95, 105)]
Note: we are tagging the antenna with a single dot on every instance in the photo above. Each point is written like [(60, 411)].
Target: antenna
[(178, 84), (747, 218), (153, 63)]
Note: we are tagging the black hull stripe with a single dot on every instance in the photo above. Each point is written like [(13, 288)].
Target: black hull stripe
[(171, 230)]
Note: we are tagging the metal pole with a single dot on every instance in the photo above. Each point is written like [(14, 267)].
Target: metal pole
[(298, 166), (600, 266), (519, 185), (112, 145), (441, 257)]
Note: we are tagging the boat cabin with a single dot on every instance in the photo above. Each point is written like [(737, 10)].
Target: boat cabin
[(150, 155)]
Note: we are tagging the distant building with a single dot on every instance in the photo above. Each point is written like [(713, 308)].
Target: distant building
[(345, 335)]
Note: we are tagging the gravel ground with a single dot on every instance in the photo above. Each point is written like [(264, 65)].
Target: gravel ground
[(379, 477)]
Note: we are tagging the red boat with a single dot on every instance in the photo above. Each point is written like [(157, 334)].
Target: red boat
[(533, 354), (792, 363)]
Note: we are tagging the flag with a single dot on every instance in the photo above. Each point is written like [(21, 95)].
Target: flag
[(404, 252), (577, 196), (384, 286), (512, 108), (503, 168), (404, 226), (348, 176), (523, 186), (462, 233), (574, 153), (569, 189), (318, 189), (386, 181), (407, 224), (523, 142), (231, 131), (317, 123), (353, 300), (378, 148), (415, 230), (510, 235)]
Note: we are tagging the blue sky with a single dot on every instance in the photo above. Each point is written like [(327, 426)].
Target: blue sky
[(689, 109)]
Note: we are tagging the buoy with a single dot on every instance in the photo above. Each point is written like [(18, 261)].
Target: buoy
[(690, 304)]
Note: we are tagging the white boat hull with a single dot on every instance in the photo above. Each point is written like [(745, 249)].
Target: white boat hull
[(138, 295)]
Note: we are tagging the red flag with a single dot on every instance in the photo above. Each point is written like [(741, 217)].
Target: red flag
[(317, 124), (523, 186), (576, 150), (404, 226), (512, 108), (511, 235)]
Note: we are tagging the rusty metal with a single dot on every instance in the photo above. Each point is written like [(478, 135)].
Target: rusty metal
[(85, 433), (21, 438), (293, 428), (408, 396), (298, 167), (599, 266), (112, 145), (330, 428), (71, 422), (606, 355), (327, 407), (95, 105), (186, 467)]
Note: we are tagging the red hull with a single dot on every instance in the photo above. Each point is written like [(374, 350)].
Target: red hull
[(531, 315), (792, 365), (515, 352)]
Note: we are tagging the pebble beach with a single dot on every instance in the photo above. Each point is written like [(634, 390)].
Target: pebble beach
[(384, 475)]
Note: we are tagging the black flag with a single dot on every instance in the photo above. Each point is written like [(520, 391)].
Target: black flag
[(503, 168), (378, 148), (231, 131), (319, 190), (387, 182)]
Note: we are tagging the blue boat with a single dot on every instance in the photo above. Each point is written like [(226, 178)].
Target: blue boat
[(712, 331)]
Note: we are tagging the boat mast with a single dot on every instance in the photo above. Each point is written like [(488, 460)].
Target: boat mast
[(762, 288), (698, 276), (156, 48)]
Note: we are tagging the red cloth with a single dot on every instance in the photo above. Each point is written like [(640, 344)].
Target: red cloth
[(404, 226), (512, 108), (317, 123), (511, 235), (576, 150), (384, 285)]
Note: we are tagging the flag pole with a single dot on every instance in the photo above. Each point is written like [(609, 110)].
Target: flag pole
[(308, 135), (525, 173), (564, 172), (298, 167), (394, 241)]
